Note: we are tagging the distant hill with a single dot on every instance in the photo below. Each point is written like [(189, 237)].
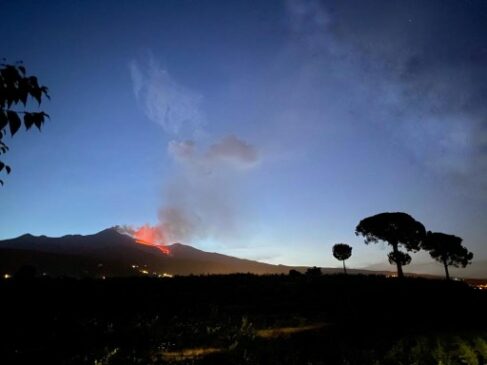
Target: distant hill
[(478, 269)]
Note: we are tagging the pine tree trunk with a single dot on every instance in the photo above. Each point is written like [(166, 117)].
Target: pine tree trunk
[(446, 270), (344, 268), (400, 274)]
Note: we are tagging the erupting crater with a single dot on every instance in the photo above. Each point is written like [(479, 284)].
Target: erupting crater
[(151, 236)]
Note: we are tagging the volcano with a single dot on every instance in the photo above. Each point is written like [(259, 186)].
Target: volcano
[(112, 254)]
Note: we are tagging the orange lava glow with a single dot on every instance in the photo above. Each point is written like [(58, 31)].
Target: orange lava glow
[(162, 248), (151, 236)]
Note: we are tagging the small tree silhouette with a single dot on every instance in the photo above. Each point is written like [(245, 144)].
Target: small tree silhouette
[(395, 229), (342, 252), (447, 249), (17, 88), (313, 271)]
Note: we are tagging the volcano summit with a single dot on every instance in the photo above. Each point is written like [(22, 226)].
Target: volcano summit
[(110, 253)]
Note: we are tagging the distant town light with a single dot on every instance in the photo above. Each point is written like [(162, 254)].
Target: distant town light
[(164, 275), (7, 276), (144, 272)]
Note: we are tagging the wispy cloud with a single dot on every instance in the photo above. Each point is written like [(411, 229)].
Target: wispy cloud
[(426, 88), (164, 101)]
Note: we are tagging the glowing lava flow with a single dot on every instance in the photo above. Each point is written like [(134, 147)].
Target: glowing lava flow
[(150, 236), (162, 248)]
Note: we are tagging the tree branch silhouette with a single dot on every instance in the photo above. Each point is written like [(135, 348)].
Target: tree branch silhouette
[(18, 89)]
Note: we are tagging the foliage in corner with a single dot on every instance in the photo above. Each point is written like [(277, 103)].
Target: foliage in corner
[(16, 91)]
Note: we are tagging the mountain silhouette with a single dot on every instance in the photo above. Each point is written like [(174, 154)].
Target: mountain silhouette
[(110, 253)]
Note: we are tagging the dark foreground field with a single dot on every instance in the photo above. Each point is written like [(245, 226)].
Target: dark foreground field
[(243, 319)]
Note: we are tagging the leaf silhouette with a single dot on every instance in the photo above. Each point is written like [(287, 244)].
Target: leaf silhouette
[(13, 121)]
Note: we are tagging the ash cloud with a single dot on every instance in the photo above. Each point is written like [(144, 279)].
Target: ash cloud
[(229, 152), (233, 150), (202, 198)]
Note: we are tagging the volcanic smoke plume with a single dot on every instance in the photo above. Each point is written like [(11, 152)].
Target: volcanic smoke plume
[(201, 198)]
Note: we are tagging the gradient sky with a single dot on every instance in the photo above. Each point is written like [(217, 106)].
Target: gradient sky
[(274, 126)]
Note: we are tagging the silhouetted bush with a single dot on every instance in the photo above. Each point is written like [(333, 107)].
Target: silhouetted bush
[(294, 273), (313, 271)]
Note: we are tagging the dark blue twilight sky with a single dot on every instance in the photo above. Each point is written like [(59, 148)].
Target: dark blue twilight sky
[(261, 129)]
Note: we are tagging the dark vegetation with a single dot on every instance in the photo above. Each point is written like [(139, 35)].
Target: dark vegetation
[(354, 319), (17, 90)]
